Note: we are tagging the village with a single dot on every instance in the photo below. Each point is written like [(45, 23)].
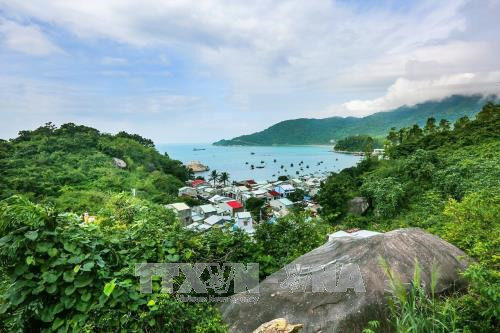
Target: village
[(244, 203)]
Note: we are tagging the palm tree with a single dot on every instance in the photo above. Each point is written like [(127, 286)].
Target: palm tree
[(214, 176), (224, 177)]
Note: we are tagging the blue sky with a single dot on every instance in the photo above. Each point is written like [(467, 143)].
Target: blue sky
[(198, 71)]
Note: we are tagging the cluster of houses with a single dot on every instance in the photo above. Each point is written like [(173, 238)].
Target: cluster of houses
[(225, 205)]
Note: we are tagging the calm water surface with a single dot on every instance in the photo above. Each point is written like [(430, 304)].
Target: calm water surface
[(232, 159)]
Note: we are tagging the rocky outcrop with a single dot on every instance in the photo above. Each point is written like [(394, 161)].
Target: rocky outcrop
[(196, 166), (340, 286), (280, 325), (358, 205), (119, 163)]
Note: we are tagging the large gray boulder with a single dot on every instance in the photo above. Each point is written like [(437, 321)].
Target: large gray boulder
[(358, 205), (289, 294)]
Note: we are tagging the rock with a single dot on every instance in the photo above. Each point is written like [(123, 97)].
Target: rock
[(358, 205), (119, 163), (289, 294), (196, 166), (279, 325)]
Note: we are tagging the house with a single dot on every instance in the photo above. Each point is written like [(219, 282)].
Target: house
[(187, 191), (198, 182), (217, 199), (231, 207), (260, 193), (282, 204), (273, 194), (284, 189), (182, 211), (217, 220), (244, 221), (206, 210)]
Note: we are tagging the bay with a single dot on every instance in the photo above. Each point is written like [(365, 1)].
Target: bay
[(233, 159)]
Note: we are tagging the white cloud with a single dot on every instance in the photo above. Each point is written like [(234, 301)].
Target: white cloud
[(114, 61), (28, 39), (408, 92)]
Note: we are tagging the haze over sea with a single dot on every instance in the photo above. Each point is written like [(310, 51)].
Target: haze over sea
[(232, 159)]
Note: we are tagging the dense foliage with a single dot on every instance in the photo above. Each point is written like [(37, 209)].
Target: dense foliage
[(321, 131), (446, 180), (73, 166), (358, 143)]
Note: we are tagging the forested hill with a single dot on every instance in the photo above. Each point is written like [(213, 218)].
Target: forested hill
[(73, 167), (321, 131)]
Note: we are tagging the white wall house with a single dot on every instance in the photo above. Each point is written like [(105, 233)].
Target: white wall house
[(244, 221), (182, 211), (206, 210), (284, 189)]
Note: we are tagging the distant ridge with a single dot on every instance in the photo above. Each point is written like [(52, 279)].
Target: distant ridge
[(305, 131)]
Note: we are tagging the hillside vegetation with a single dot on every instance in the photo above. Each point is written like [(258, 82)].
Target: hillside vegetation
[(73, 167), (321, 131), (447, 182)]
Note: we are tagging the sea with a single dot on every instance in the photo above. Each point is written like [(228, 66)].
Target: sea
[(292, 161)]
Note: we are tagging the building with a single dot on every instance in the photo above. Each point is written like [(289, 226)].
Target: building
[(282, 205), (284, 189), (244, 222), (182, 211), (198, 182), (217, 220), (187, 191), (231, 207), (206, 210)]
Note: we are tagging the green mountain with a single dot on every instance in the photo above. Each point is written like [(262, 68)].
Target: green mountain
[(305, 131)]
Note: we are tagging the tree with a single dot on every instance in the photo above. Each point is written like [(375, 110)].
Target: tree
[(444, 125), (254, 206), (224, 177), (461, 122), (214, 175), (297, 195), (430, 126)]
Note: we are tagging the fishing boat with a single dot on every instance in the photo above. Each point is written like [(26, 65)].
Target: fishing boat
[(198, 149)]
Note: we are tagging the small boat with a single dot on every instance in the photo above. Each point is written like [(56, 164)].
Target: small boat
[(198, 149), (262, 162), (246, 162), (260, 166), (252, 167), (252, 153), (274, 160)]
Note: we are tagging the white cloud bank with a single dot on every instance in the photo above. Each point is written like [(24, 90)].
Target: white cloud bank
[(28, 39), (411, 92)]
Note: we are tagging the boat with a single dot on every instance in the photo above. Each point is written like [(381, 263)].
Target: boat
[(198, 149), (252, 153), (260, 166)]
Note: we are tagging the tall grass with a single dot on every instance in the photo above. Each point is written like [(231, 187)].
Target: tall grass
[(414, 310)]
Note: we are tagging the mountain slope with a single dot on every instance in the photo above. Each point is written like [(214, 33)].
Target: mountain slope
[(321, 131)]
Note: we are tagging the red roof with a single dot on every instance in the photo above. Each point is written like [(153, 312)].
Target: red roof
[(251, 182), (197, 182), (274, 193), (234, 204)]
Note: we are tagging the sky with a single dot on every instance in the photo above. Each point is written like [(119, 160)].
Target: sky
[(199, 71)]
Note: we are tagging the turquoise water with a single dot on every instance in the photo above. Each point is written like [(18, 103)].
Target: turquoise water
[(232, 159)]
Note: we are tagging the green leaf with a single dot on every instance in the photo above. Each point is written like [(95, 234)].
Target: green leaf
[(43, 246), (76, 269), (68, 302), (30, 260), (171, 250), (151, 303), (50, 277), (4, 307), (86, 297), (76, 259), (69, 290), (53, 252), (173, 257), (68, 276), (88, 266), (51, 288), (58, 322), (31, 235), (20, 270), (46, 315), (83, 281), (82, 306), (109, 287)]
